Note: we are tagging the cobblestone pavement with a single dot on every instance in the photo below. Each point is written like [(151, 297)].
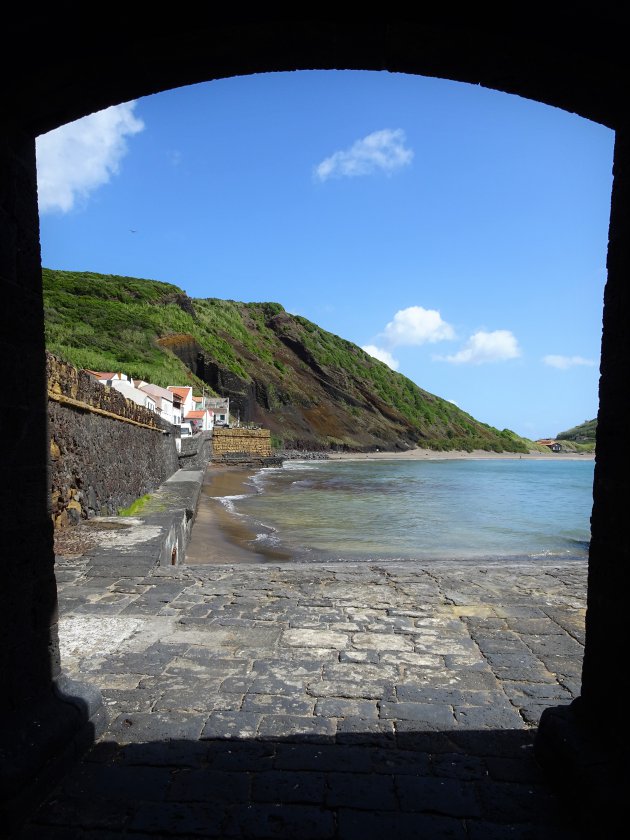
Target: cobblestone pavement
[(311, 701)]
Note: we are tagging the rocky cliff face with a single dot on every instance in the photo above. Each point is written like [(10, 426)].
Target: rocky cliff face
[(307, 404), (312, 389)]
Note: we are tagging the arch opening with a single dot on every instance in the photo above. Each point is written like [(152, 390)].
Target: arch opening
[(565, 74)]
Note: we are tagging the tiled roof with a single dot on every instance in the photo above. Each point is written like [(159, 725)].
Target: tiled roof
[(181, 390), (157, 391), (100, 374), (198, 413)]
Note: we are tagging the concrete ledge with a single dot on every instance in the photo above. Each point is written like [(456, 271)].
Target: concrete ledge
[(180, 496), (157, 536)]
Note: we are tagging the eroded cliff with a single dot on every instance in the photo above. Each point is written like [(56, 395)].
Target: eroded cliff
[(312, 389)]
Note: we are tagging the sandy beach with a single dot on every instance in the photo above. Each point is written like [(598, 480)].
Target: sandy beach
[(218, 536), (477, 454)]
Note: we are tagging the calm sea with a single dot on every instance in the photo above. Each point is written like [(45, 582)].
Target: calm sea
[(452, 509)]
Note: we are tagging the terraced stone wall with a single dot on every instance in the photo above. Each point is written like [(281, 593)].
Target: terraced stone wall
[(256, 443), (105, 451)]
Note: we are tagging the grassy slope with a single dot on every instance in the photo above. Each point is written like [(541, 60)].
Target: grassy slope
[(580, 438), (111, 323), (310, 384), (585, 432)]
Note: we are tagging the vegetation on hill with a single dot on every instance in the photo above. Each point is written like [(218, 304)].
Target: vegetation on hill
[(584, 433), (311, 388), (110, 323)]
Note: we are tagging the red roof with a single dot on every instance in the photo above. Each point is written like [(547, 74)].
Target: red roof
[(99, 374), (198, 413), (182, 391)]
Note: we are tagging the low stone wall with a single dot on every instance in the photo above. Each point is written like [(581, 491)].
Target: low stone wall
[(105, 451), (254, 443), (196, 451)]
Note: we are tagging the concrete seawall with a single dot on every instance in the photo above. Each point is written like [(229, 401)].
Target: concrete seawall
[(157, 536)]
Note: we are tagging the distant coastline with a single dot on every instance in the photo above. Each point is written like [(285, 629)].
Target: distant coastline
[(477, 454)]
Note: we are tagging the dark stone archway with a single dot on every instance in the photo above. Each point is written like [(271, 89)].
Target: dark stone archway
[(64, 69)]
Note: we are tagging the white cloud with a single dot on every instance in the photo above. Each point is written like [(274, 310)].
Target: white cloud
[(381, 355), (565, 362), (453, 402), (74, 160), (416, 325), (485, 347), (383, 151)]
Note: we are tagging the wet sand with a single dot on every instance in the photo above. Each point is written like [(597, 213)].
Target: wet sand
[(219, 536)]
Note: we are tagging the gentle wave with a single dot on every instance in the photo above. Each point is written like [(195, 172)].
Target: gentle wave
[(228, 502), (486, 511)]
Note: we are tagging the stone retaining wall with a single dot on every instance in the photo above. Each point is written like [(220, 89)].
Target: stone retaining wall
[(196, 451), (255, 443), (105, 451), (67, 383)]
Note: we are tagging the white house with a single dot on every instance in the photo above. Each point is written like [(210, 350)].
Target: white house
[(125, 385), (201, 419), (130, 392), (182, 399), (164, 401), (221, 408)]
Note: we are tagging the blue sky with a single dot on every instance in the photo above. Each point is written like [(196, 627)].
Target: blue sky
[(458, 233)]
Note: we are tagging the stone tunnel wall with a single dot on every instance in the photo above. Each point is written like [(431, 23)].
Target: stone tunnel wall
[(255, 443), (105, 451)]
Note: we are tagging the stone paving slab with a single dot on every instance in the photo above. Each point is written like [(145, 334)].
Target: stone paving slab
[(318, 701)]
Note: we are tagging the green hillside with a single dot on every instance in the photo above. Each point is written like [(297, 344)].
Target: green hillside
[(310, 387), (584, 433)]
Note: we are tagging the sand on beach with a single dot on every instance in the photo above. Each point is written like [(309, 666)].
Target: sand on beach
[(218, 536), (477, 454)]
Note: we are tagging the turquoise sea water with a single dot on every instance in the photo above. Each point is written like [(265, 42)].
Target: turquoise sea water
[(450, 509)]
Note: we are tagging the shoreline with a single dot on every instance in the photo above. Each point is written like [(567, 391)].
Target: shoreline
[(476, 455), (219, 536)]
